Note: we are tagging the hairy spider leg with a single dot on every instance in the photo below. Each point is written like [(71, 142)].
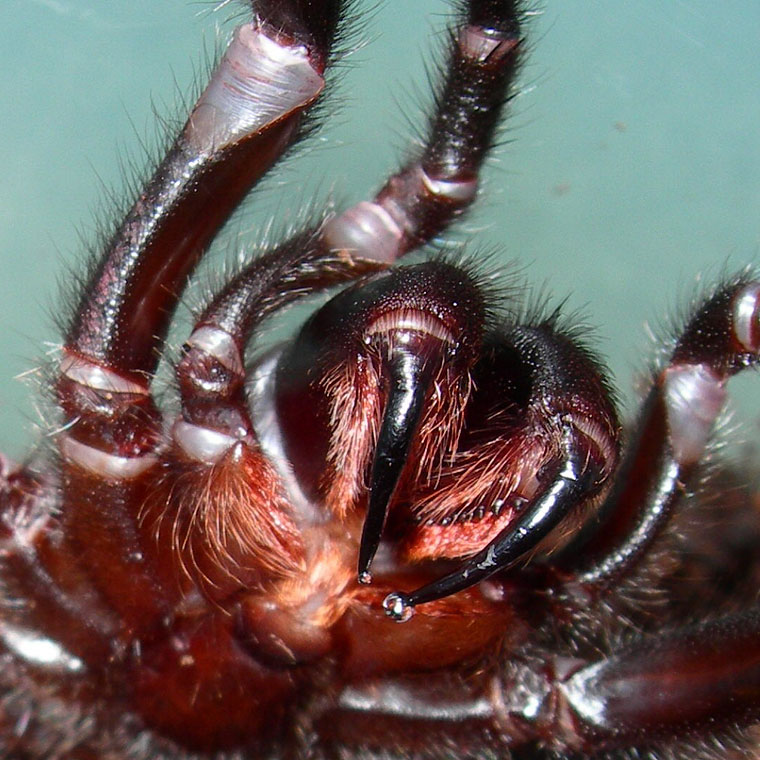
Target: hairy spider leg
[(439, 183), (247, 116), (662, 686), (661, 462)]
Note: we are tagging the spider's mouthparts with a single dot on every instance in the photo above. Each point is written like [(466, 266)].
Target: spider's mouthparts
[(410, 377)]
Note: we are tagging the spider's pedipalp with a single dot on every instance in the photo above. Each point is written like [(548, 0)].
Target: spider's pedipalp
[(232, 508)]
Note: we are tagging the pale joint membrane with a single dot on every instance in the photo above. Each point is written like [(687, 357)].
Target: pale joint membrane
[(367, 231), (219, 344), (103, 464), (694, 396), (92, 375), (204, 444), (485, 45), (258, 82), (458, 191), (745, 315), (378, 230)]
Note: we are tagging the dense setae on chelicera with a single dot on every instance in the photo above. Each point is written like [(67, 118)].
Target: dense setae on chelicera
[(416, 529)]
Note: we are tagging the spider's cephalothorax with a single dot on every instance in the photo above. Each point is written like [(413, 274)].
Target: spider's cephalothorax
[(409, 532)]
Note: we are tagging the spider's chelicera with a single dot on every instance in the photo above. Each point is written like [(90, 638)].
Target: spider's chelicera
[(409, 532)]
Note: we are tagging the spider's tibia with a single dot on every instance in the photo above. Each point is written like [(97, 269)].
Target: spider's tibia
[(297, 268), (484, 58)]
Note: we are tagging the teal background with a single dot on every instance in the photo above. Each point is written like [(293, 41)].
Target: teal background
[(632, 161)]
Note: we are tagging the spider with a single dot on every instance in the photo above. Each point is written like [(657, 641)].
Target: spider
[(410, 532)]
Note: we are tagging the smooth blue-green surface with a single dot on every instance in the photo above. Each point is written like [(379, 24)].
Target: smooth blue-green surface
[(632, 162)]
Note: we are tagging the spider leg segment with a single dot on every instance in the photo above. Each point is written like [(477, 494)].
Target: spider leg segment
[(244, 120), (424, 197), (668, 685)]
